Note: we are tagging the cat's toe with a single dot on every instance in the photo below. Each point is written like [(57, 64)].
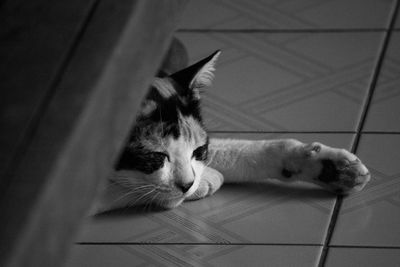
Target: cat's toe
[(312, 149), (342, 172)]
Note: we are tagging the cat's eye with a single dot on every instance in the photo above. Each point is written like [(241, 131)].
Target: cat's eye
[(158, 156), (144, 161), (201, 153), (151, 161)]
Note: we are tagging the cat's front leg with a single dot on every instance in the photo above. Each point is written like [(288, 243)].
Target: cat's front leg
[(210, 181), (289, 160)]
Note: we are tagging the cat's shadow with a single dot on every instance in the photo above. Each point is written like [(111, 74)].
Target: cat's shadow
[(271, 190), (138, 210)]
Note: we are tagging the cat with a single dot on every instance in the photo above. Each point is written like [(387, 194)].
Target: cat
[(169, 157)]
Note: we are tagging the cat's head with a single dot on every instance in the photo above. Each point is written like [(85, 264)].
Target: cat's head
[(168, 147)]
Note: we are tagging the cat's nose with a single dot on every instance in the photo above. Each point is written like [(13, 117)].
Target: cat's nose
[(184, 187)]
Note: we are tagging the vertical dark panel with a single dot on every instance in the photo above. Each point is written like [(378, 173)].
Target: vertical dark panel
[(82, 129), (36, 38)]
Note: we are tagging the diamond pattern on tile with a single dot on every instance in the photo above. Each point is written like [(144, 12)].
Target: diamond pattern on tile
[(365, 257), (192, 255), (372, 217), (301, 14), (286, 82), (261, 213), (383, 114)]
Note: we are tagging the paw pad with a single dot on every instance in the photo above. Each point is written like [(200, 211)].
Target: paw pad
[(329, 172), (286, 173), (343, 175), (343, 164)]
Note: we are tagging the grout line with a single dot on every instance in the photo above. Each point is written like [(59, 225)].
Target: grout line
[(379, 132), (284, 132), (230, 244), (302, 132), (374, 78), (367, 103), (41, 108), (332, 30), (196, 244), (366, 246), (329, 234)]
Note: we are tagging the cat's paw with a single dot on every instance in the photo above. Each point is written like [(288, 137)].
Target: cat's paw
[(340, 171), (211, 181)]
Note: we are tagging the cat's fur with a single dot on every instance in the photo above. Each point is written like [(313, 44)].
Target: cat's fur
[(170, 158)]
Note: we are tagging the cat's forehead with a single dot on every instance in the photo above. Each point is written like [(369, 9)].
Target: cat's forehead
[(191, 130), (164, 103), (161, 136)]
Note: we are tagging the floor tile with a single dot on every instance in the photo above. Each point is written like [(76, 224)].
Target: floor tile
[(384, 112), (302, 14), (372, 217), (272, 213), (286, 82), (365, 257), (192, 255)]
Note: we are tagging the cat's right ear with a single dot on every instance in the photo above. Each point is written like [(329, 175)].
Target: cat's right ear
[(198, 75)]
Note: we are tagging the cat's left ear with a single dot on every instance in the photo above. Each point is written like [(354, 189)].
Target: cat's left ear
[(198, 75)]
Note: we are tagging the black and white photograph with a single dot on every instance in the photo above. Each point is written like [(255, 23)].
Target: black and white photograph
[(215, 133)]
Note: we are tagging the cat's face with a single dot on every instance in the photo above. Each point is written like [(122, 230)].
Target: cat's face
[(168, 146)]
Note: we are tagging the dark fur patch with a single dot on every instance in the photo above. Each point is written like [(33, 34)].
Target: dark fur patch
[(141, 160), (286, 173), (329, 172)]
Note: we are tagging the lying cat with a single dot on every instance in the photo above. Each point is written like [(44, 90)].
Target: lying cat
[(170, 158)]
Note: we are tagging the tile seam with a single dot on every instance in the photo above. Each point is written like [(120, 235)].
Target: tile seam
[(327, 30), (303, 132), (371, 89), (364, 247), (197, 244), (285, 132)]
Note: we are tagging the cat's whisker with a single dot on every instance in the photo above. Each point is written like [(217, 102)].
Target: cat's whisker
[(131, 185), (142, 197), (160, 201), (162, 125), (130, 193), (133, 191), (150, 201)]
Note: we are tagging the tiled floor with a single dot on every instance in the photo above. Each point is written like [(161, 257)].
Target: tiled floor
[(325, 71)]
